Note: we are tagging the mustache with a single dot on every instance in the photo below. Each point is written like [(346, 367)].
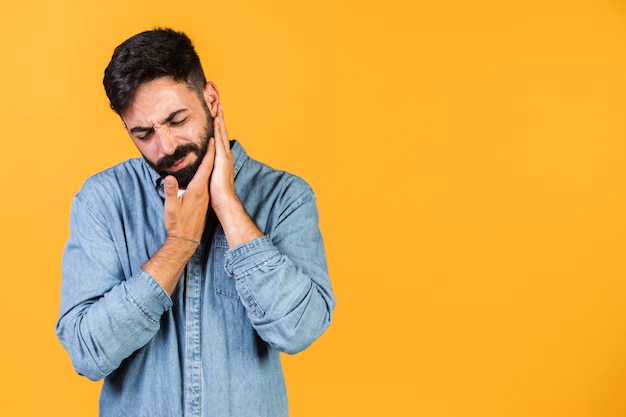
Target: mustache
[(168, 160)]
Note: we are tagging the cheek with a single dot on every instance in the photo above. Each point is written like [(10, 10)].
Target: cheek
[(148, 150), (188, 133)]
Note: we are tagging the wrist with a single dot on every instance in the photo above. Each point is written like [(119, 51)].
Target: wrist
[(238, 227), (168, 263), (185, 239), (180, 249)]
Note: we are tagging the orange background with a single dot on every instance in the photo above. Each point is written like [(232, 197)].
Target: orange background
[(469, 160)]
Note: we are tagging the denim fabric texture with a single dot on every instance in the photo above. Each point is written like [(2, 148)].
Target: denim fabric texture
[(213, 347)]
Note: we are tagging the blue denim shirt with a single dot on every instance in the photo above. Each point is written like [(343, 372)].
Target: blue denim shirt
[(213, 347)]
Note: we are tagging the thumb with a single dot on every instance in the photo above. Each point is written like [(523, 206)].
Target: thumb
[(170, 208), (170, 186)]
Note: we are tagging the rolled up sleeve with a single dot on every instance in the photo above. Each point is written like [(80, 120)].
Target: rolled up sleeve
[(106, 314), (282, 279)]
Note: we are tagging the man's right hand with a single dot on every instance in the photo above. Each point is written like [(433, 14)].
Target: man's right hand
[(184, 218)]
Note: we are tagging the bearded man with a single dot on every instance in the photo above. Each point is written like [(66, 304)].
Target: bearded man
[(188, 271)]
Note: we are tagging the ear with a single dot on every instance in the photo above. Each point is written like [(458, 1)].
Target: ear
[(212, 97)]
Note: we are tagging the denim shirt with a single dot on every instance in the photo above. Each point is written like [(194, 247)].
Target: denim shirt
[(213, 347)]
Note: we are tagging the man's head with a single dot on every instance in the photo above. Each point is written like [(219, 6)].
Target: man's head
[(156, 84)]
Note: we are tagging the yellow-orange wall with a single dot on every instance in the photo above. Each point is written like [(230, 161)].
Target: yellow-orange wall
[(470, 163)]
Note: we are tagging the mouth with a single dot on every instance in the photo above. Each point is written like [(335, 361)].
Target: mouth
[(179, 164)]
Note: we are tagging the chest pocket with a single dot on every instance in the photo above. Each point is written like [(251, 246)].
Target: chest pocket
[(224, 285)]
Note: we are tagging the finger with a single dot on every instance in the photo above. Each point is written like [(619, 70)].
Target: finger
[(221, 135), (201, 177), (223, 131), (170, 187)]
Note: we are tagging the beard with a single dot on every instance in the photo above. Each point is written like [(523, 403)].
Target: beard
[(186, 174)]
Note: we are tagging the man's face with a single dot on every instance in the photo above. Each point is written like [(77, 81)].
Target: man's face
[(171, 126)]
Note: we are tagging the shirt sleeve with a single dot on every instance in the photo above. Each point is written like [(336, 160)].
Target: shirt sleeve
[(106, 314), (282, 279)]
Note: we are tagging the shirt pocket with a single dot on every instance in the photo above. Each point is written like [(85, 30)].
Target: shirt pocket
[(223, 284)]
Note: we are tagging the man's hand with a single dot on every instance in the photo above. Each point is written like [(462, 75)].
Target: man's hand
[(237, 225), (184, 219), (185, 216), (222, 184)]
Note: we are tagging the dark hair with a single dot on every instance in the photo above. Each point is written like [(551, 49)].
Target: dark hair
[(147, 56)]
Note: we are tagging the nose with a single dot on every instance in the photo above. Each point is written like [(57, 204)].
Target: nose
[(167, 142)]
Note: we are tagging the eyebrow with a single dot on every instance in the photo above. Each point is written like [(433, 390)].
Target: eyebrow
[(141, 129)]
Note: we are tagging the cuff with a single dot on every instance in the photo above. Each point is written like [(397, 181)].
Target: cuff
[(148, 296), (244, 259)]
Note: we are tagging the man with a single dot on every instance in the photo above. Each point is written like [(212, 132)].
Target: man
[(189, 270)]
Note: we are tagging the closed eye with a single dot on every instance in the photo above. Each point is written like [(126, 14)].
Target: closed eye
[(176, 118), (178, 122), (146, 136)]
